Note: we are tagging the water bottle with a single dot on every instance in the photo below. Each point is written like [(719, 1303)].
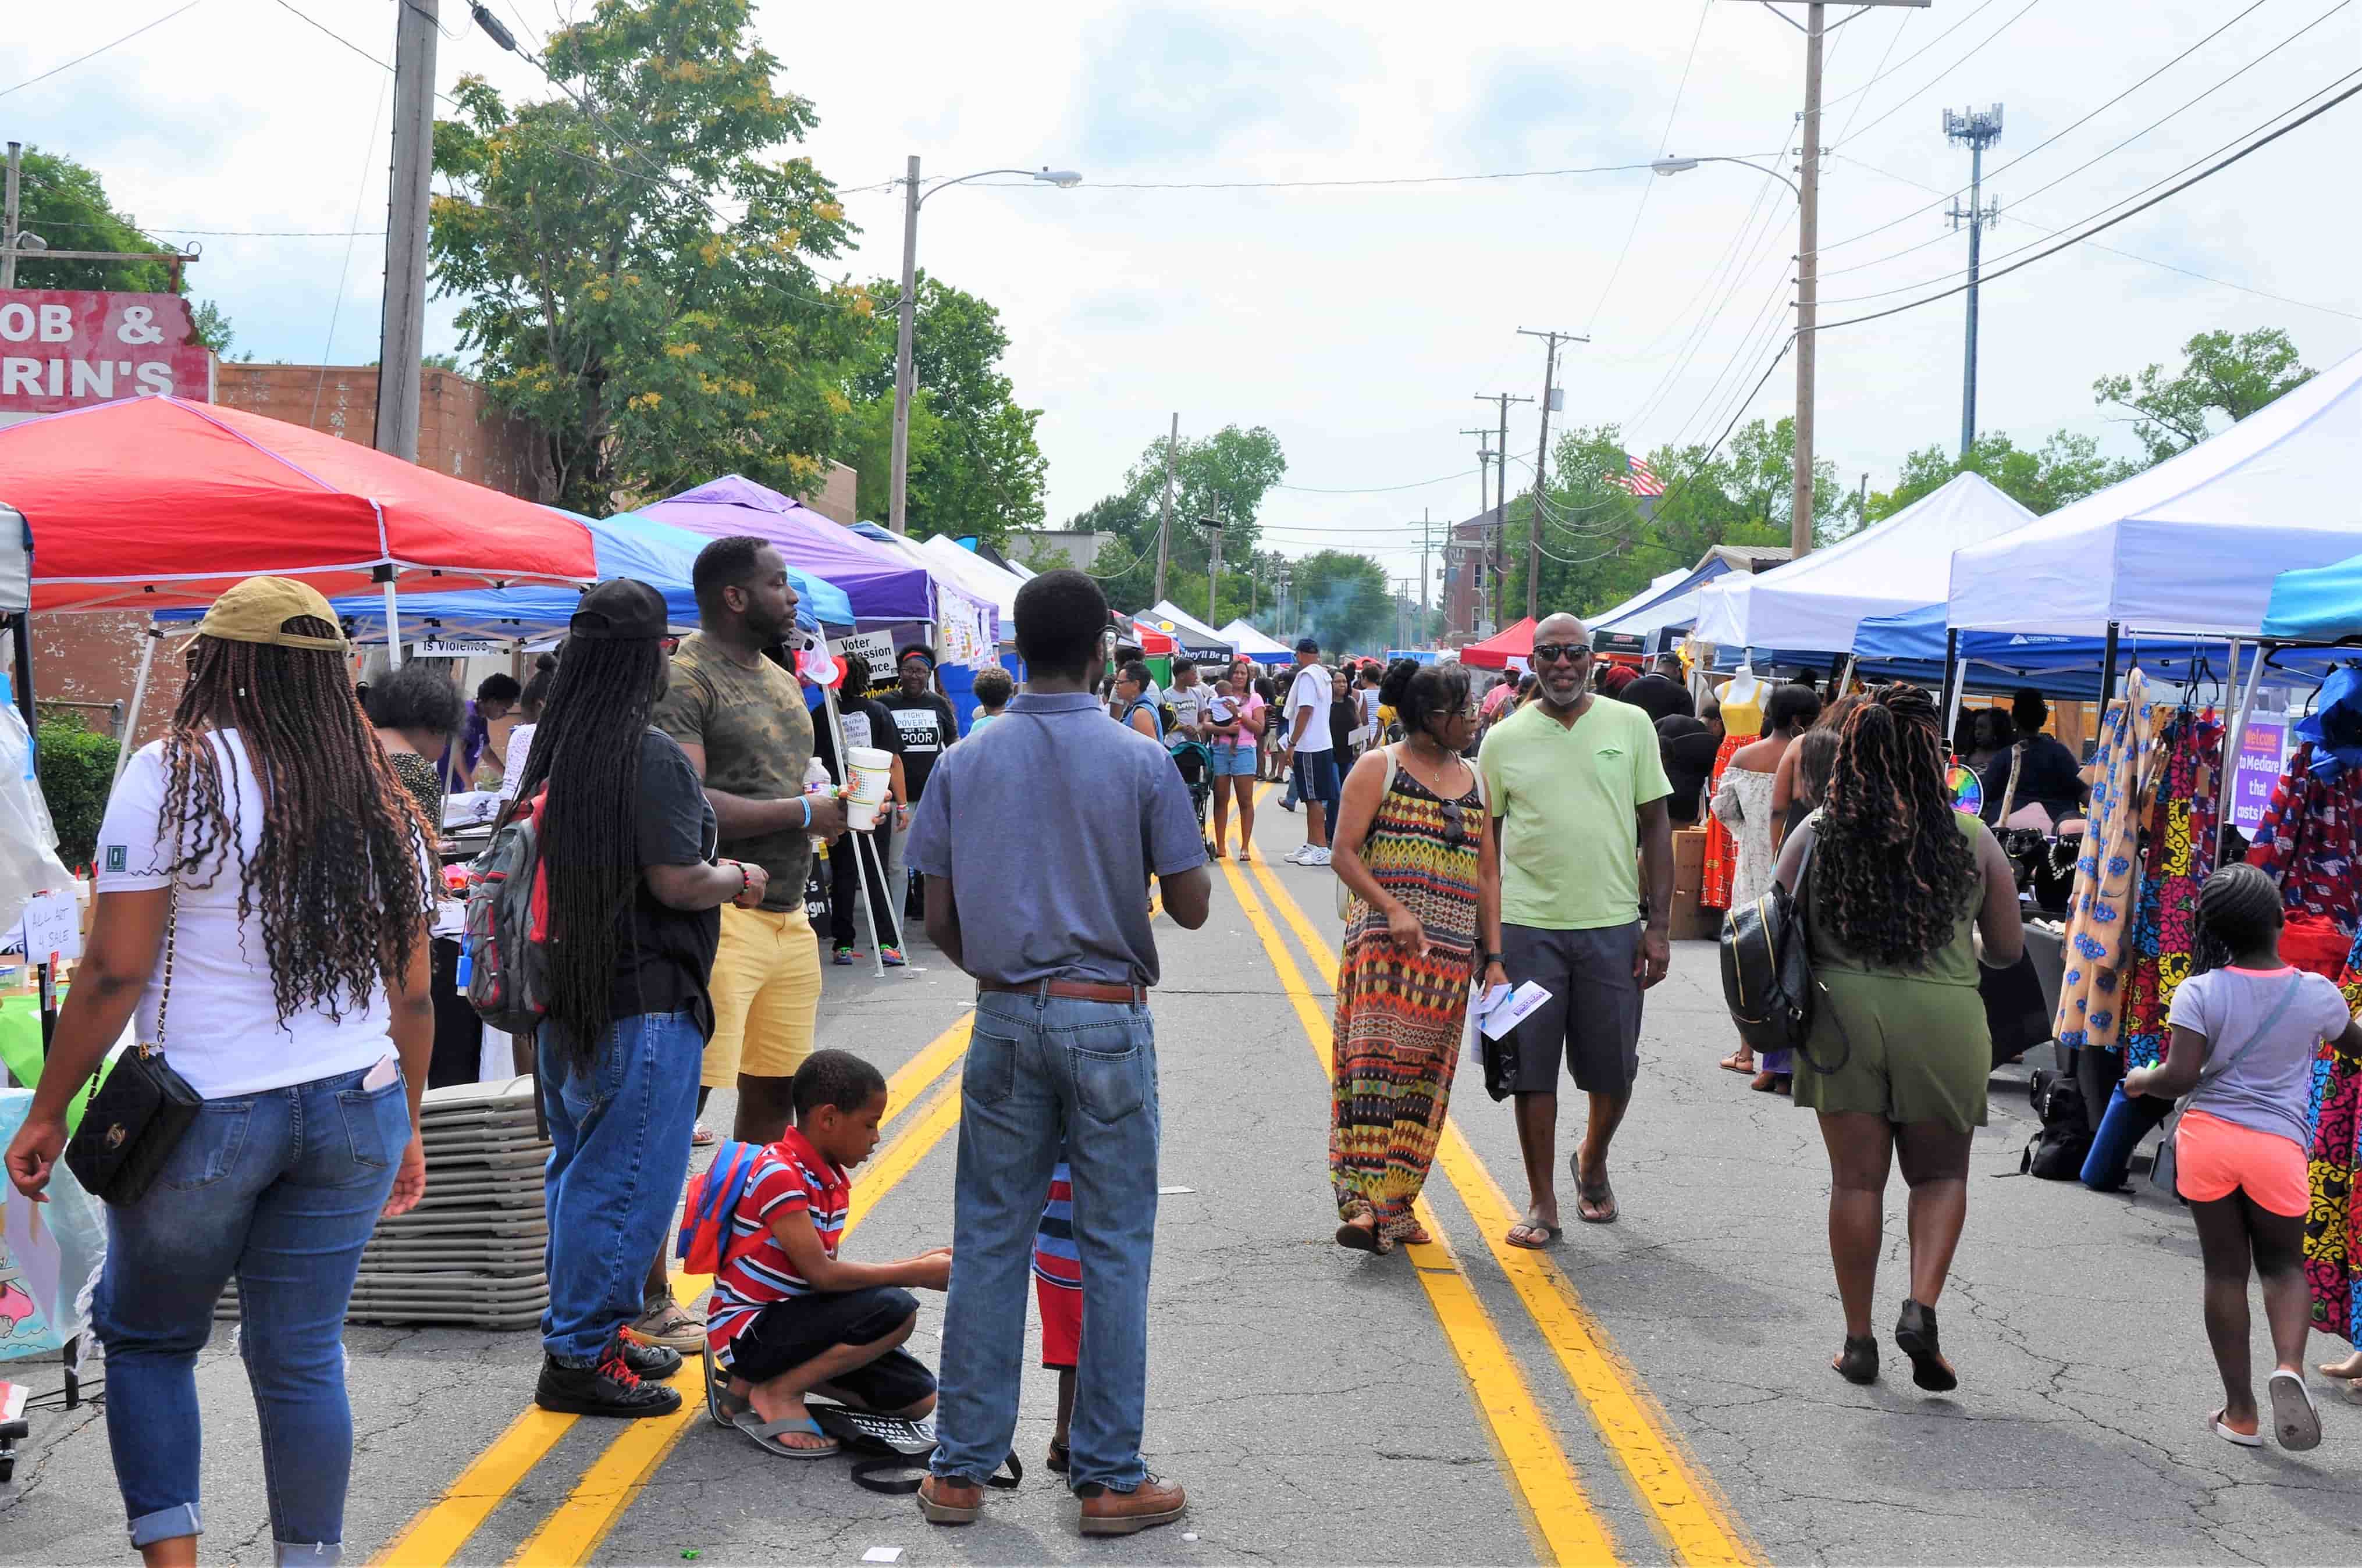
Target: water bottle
[(817, 782)]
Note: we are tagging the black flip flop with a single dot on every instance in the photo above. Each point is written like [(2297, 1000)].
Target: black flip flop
[(1589, 1196), (1550, 1232)]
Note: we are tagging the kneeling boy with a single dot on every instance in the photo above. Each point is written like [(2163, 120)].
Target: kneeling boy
[(788, 1318)]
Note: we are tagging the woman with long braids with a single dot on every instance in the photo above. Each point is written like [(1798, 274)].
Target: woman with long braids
[(1898, 1052), (263, 885), (627, 840)]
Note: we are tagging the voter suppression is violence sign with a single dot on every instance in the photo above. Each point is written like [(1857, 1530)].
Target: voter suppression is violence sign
[(68, 348)]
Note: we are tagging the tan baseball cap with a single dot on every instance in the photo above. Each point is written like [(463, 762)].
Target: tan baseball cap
[(258, 610)]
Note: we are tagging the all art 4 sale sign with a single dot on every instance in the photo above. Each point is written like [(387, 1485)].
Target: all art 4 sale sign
[(67, 348)]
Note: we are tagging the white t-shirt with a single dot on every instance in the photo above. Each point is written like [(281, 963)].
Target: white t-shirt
[(1188, 707), (1310, 689), (222, 1032), (513, 760)]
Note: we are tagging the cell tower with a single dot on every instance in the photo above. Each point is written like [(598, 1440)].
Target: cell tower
[(1979, 129)]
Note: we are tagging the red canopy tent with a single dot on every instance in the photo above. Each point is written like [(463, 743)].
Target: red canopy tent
[(155, 503), (1495, 652)]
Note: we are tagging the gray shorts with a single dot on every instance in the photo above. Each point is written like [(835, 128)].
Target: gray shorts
[(1592, 1017)]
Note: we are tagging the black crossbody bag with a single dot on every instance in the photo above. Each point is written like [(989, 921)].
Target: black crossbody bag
[(140, 1113)]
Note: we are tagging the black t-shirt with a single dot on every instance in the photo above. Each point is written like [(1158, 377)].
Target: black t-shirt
[(1687, 748), (1663, 698), (665, 956), (2049, 777), (927, 729), (1344, 717), (866, 724)]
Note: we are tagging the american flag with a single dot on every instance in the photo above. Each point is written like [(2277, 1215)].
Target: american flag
[(1640, 478)]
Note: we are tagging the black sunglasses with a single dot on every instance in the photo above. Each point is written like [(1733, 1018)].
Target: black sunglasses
[(1455, 833), (1551, 653)]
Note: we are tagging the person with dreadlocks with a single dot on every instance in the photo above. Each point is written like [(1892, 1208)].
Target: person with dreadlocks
[(2246, 1029), (1898, 1052), (267, 852), (627, 841)]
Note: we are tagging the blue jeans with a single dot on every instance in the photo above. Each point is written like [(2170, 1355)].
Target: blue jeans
[(619, 1133), (1039, 1070), (281, 1188)]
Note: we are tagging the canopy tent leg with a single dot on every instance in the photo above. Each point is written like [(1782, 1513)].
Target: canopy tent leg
[(2108, 669), (392, 620), (865, 853), (153, 635), (2230, 734), (1955, 678)]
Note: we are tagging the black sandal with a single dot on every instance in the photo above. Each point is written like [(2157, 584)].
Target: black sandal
[(1059, 1457), (1914, 1336), (1858, 1364)]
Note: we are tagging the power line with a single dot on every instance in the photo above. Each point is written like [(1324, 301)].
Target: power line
[(1926, 282), (2313, 114), (1882, 74), (1648, 187), (1307, 184), (1903, 102), (1374, 489), (2029, 152), (326, 32), (2048, 233), (1902, 20), (101, 49)]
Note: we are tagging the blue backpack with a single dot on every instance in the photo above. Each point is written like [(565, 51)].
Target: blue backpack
[(703, 1246)]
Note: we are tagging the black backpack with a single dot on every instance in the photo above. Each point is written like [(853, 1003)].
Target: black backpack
[(1767, 971), (2058, 1151)]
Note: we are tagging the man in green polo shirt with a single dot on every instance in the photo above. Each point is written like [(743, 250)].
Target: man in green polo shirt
[(1579, 791)]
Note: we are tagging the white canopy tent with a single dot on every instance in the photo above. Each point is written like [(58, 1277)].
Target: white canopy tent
[(977, 575), (1262, 649), (2192, 544), (1196, 633), (1815, 605), (1657, 586)]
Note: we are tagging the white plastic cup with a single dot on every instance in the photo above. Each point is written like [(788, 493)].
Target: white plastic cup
[(870, 769)]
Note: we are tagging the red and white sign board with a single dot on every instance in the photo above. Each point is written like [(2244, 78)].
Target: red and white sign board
[(68, 348)]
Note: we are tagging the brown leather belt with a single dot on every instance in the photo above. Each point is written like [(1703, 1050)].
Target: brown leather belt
[(1072, 989)]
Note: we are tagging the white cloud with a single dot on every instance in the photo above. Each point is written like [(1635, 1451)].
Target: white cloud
[(1358, 323)]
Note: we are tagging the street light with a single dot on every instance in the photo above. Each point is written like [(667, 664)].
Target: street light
[(908, 313), (1800, 520)]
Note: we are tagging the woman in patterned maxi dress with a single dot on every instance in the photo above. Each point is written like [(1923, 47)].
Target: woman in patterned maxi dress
[(1417, 856)]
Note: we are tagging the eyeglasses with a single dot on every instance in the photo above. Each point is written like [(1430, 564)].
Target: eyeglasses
[(1551, 653)]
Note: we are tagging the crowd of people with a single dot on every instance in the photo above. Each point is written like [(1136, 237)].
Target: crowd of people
[(277, 847)]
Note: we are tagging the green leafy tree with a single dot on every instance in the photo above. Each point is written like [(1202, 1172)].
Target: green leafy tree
[(2221, 375), (656, 343), (77, 768), (66, 204), (1340, 598), (1223, 476), (975, 464), (2066, 468)]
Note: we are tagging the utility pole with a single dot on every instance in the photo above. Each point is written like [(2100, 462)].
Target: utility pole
[(1484, 554), (1980, 128), (1165, 522), (1808, 286), (1280, 613), (8, 225), (1552, 398), (1500, 555), (401, 337), (1425, 544), (906, 315), (1212, 523)]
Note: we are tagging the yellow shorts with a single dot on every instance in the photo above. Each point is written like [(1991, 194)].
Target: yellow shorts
[(766, 995)]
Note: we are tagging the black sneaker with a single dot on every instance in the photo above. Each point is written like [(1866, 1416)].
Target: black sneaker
[(650, 1362), (608, 1388)]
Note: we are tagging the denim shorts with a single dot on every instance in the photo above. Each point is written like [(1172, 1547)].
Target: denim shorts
[(1234, 762)]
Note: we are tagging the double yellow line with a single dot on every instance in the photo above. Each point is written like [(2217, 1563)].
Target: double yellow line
[(573, 1532), (1685, 1508)]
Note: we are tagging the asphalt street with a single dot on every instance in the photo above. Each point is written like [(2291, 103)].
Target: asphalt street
[(1657, 1390)]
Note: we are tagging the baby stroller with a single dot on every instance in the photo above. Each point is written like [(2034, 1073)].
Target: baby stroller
[(1197, 765)]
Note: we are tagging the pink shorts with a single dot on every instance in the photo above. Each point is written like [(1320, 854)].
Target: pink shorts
[(2216, 1158)]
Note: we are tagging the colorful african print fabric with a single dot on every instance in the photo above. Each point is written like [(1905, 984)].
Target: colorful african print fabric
[(1400, 1016), (2333, 1224), (2099, 912), (2307, 840), (1721, 850), (2178, 856)]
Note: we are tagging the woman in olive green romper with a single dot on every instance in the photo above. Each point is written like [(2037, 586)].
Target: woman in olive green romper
[(1899, 1053)]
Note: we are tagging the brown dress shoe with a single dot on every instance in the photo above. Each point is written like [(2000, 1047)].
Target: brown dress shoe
[(1107, 1511), (950, 1500)]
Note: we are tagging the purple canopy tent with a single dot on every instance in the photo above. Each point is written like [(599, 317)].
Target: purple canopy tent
[(887, 587)]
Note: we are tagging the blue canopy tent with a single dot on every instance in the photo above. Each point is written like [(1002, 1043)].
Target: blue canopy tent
[(1911, 646), (2320, 603), (625, 546)]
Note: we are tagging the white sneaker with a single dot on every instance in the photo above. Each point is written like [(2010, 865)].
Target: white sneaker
[(1301, 856), (1317, 858)]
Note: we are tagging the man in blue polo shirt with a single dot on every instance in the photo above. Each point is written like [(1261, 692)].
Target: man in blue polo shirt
[(1054, 924)]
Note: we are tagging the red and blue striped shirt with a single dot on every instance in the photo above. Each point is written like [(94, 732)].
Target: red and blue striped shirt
[(791, 1176)]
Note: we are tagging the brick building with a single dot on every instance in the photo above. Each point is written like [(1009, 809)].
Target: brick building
[(1468, 568)]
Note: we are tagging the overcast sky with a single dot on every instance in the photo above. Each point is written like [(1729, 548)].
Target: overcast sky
[(1360, 322)]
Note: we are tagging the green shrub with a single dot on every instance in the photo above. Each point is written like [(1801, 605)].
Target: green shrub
[(77, 769)]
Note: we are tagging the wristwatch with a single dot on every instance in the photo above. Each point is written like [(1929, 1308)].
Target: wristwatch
[(1487, 960)]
